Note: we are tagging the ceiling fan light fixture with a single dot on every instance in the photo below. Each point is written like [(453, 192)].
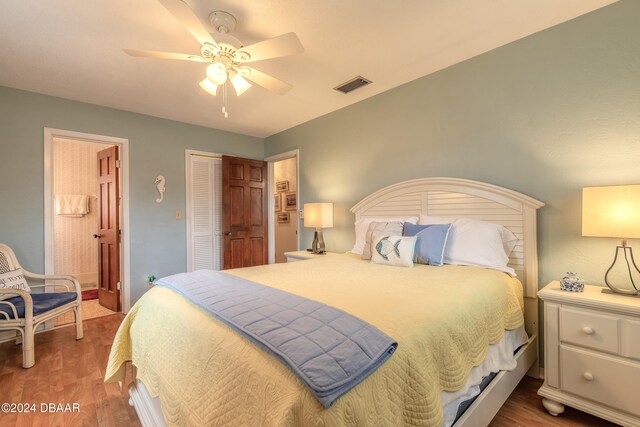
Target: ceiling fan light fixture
[(217, 73), (209, 86), (239, 84)]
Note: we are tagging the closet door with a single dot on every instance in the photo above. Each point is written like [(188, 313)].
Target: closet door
[(204, 217)]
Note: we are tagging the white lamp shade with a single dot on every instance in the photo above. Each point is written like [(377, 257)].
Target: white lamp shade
[(611, 211), (209, 86), (217, 73), (318, 215), (239, 84)]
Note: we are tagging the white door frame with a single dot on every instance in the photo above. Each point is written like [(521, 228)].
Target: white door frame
[(187, 211), (49, 134), (271, 188)]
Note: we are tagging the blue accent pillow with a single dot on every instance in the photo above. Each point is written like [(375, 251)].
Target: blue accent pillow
[(431, 242)]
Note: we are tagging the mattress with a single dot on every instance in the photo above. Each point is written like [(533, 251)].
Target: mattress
[(444, 318)]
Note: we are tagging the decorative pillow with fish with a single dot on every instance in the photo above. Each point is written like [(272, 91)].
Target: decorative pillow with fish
[(362, 225), (393, 250), (385, 228)]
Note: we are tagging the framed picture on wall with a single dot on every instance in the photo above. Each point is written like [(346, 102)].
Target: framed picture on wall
[(282, 186), (290, 202), (283, 217), (276, 202)]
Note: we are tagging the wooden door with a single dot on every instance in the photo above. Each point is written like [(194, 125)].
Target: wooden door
[(244, 212), (108, 229)]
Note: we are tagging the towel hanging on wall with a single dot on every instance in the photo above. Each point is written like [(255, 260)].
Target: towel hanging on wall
[(72, 205)]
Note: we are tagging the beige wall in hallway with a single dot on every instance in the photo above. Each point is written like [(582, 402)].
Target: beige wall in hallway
[(74, 172), (285, 233)]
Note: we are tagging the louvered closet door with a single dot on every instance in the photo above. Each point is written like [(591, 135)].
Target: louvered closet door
[(206, 245)]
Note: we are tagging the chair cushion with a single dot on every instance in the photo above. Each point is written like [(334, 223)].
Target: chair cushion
[(41, 303)]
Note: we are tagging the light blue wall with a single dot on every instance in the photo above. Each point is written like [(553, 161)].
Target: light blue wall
[(158, 240), (545, 116)]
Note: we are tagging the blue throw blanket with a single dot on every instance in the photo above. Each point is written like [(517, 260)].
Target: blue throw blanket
[(331, 351)]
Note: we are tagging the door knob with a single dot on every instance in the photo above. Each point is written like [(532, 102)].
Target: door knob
[(228, 233), (588, 376), (97, 236)]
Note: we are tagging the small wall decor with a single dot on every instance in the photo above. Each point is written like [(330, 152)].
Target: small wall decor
[(283, 217), (276, 204), (282, 186), (160, 186), (290, 202)]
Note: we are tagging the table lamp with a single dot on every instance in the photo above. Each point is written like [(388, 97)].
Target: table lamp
[(613, 212), (318, 216)]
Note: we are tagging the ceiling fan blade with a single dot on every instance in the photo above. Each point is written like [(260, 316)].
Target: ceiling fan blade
[(183, 13), (264, 80), (284, 45), (164, 55)]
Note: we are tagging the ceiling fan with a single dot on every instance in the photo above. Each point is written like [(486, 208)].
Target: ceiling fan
[(227, 62)]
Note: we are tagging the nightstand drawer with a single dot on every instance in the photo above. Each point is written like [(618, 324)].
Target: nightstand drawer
[(631, 338), (589, 329), (605, 379)]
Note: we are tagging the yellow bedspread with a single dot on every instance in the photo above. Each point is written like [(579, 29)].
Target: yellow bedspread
[(206, 374)]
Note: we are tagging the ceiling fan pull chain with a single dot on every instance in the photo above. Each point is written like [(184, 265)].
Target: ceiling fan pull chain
[(224, 101)]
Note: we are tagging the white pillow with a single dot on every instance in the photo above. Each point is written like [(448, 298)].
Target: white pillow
[(509, 240), (362, 225), (376, 228), (476, 243), (13, 279), (393, 250)]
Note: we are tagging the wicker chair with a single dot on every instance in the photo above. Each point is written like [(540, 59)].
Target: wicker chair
[(26, 311)]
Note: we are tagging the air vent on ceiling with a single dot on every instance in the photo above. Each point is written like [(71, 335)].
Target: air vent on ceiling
[(352, 84)]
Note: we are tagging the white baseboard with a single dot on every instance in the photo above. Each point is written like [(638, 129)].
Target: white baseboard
[(12, 335), (8, 336)]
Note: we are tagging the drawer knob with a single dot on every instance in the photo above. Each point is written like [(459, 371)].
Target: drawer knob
[(588, 376), (587, 330)]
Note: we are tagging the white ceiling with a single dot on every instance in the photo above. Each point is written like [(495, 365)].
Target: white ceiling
[(72, 49)]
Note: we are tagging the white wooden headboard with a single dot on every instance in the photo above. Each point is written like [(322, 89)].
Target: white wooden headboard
[(463, 198)]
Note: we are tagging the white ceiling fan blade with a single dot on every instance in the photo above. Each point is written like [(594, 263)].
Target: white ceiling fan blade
[(164, 55), (183, 13), (284, 45), (264, 80)]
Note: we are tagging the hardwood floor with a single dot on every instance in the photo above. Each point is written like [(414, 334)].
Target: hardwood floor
[(524, 408), (66, 371), (70, 371)]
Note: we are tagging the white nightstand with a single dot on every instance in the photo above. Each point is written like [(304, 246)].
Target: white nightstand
[(591, 353), (303, 255)]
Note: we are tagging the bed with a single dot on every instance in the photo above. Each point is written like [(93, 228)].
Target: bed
[(191, 369)]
